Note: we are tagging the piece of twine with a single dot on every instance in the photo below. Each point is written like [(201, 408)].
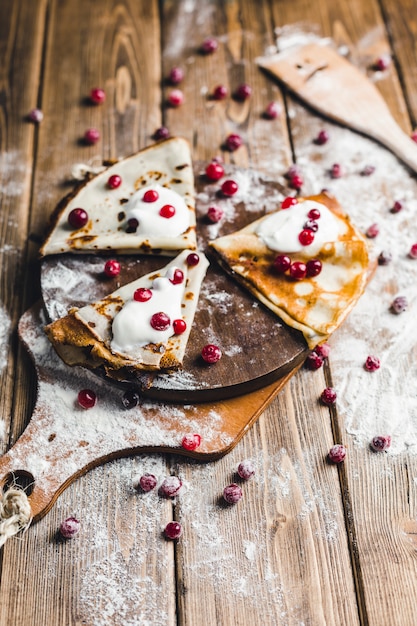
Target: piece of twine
[(15, 513)]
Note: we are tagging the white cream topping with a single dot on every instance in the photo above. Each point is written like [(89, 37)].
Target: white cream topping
[(280, 230), (132, 328), (150, 222)]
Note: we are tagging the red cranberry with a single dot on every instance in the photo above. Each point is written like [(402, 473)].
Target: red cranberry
[(372, 231), (282, 263), (175, 97), (150, 196), (191, 441), (91, 136), (412, 253), (296, 182), (177, 277), (87, 398), (314, 361), (36, 116), (77, 218), (173, 530), (220, 92), (211, 353), (298, 270), (414, 135), (232, 493), (314, 268), (288, 202), (179, 326), (167, 211), (293, 170), (193, 259), (396, 207), (328, 396), (246, 469), (372, 363), (209, 45), (112, 268), (314, 214), (336, 171), (170, 487), (383, 62), (306, 237), (381, 443), (176, 76), (147, 482), (130, 399), (384, 258), (322, 138), (337, 453), (114, 181), (97, 95), (161, 133), (368, 170), (323, 350), (215, 214), (243, 92), (229, 187), (160, 321), (214, 171), (69, 528), (272, 111), (142, 294), (233, 142), (399, 305)]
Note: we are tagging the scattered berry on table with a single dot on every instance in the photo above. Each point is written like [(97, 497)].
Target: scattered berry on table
[(383, 62), (272, 111), (233, 142), (215, 214), (232, 493), (282, 263), (314, 361), (112, 268), (209, 45), (229, 187), (336, 170), (69, 528), (372, 363), (220, 92), (130, 399), (243, 92), (193, 259), (160, 321), (179, 326), (214, 171), (97, 95), (246, 469), (399, 305), (381, 443), (322, 138), (372, 231), (91, 136), (396, 207), (211, 353), (146, 483), (413, 251), (36, 115), (314, 267), (191, 441), (298, 270), (77, 218), (175, 97), (288, 202), (87, 398), (328, 396), (323, 350), (293, 170), (368, 170), (176, 75), (173, 530), (296, 182), (170, 487), (337, 453), (142, 294), (161, 133), (384, 258), (114, 181), (150, 196)]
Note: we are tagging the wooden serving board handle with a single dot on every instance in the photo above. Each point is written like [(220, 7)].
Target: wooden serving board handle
[(63, 441), (335, 88)]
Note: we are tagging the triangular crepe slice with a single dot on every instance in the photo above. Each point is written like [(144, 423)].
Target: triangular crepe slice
[(119, 333), (315, 305), (119, 219)]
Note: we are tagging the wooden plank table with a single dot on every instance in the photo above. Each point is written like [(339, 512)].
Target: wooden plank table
[(310, 542)]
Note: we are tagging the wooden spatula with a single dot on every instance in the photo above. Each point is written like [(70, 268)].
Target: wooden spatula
[(337, 89)]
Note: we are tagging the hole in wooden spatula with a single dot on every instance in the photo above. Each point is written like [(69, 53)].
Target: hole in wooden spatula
[(19, 478)]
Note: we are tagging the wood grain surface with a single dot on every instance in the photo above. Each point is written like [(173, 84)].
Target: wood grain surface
[(310, 542)]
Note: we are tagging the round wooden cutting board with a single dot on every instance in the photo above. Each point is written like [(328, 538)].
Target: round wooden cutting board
[(257, 347)]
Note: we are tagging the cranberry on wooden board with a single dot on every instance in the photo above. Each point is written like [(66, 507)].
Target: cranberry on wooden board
[(173, 530), (69, 528), (112, 268), (146, 483), (232, 493), (211, 353), (87, 398), (97, 95), (214, 171), (176, 75), (170, 487), (191, 441), (337, 453), (246, 469), (91, 136)]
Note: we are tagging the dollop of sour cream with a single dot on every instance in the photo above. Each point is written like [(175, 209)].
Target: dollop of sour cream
[(280, 230), (131, 326), (150, 222)]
